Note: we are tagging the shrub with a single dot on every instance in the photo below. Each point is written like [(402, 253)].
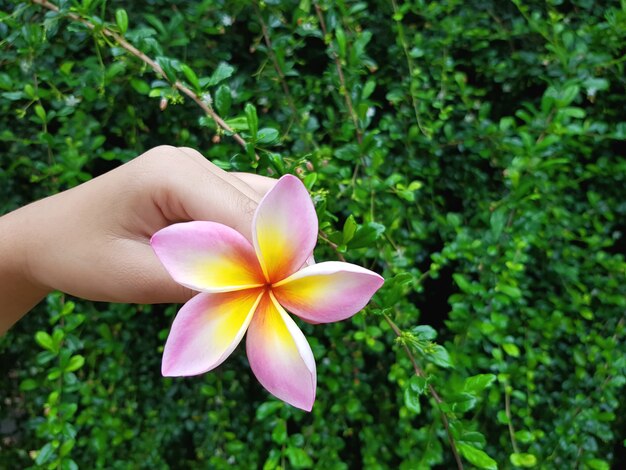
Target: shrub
[(471, 152)]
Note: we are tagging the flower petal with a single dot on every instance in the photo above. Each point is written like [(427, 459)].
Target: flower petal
[(206, 330), (207, 256), (284, 230), (327, 292), (280, 355)]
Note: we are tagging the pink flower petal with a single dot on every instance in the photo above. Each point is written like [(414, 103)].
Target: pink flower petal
[(207, 330), (280, 356), (284, 229), (209, 257), (327, 292)]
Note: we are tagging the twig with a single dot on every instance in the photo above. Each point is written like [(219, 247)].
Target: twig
[(152, 64), (334, 246), (420, 373), (342, 80), (409, 62), (270, 53), (507, 410)]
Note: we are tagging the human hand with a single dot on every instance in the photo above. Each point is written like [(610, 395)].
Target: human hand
[(93, 241)]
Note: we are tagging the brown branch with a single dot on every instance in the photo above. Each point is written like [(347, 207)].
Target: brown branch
[(342, 80), (334, 246), (152, 64), (420, 373)]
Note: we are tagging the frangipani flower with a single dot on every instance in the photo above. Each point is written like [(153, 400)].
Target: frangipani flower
[(247, 287)]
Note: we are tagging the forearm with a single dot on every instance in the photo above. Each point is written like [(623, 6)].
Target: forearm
[(18, 292)]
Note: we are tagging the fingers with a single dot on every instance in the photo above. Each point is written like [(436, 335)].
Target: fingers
[(260, 184), (185, 186), (238, 183)]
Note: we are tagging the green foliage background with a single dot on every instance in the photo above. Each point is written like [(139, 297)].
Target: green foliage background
[(479, 166)]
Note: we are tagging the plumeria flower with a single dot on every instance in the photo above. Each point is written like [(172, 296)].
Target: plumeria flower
[(247, 287)]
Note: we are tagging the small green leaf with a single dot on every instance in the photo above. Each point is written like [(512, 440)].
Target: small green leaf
[(40, 112), (298, 458), (44, 454), (252, 120), (367, 234), (223, 100), (191, 76), (511, 349), (477, 383), (418, 384), (440, 356), (341, 41), (511, 291), (267, 135), (222, 72), (412, 400), (349, 229), (28, 384), (463, 283), (523, 460), (267, 409), (45, 341), (476, 456), (121, 18), (424, 332), (279, 433), (76, 362)]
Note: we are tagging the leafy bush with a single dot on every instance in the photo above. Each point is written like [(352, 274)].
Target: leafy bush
[(471, 152)]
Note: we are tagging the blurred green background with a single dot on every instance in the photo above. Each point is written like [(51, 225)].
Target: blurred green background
[(472, 152)]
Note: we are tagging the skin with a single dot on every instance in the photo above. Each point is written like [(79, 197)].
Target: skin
[(93, 241)]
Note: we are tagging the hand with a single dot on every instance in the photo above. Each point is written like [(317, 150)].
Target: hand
[(92, 241)]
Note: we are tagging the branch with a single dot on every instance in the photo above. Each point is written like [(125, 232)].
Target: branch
[(151, 63), (420, 373), (270, 53), (342, 80)]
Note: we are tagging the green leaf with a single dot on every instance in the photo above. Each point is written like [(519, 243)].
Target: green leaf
[(476, 456), (523, 460), (349, 229), (498, 221), (463, 283), (223, 100), (44, 454), (267, 135), (424, 332), (477, 383), (252, 120), (511, 349), (279, 433), (28, 384), (298, 458), (140, 86), (341, 41), (511, 291), (440, 356), (461, 402), (267, 409), (418, 384), (76, 362), (222, 72), (191, 77), (121, 18), (597, 464), (40, 112), (367, 234), (412, 400), (45, 341)]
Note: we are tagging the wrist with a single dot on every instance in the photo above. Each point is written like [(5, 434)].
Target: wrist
[(19, 290)]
